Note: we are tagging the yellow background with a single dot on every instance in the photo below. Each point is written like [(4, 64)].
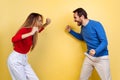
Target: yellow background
[(58, 55)]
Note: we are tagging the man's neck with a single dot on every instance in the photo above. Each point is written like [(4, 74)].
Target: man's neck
[(85, 22)]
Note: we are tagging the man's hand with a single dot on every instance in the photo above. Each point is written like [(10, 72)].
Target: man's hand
[(68, 28), (92, 52)]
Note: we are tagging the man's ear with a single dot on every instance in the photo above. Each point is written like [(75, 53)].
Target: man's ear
[(82, 16)]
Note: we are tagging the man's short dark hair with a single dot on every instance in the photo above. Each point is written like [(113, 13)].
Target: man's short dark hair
[(81, 12)]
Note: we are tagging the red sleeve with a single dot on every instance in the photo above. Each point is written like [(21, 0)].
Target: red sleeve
[(18, 35), (41, 29)]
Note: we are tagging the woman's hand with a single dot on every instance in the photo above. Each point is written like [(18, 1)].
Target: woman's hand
[(34, 29), (48, 21)]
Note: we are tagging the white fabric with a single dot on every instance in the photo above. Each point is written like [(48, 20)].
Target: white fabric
[(19, 67), (101, 64)]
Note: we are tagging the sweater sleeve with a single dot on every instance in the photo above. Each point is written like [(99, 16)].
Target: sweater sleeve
[(76, 35), (17, 36), (41, 29), (102, 37)]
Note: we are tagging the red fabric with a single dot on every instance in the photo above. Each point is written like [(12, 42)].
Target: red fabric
[(41, 29), (23, 45)]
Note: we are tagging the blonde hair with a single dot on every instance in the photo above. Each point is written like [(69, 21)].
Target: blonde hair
[(31, 21)]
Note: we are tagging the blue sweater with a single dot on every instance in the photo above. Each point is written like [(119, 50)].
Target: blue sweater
[(94, 36)]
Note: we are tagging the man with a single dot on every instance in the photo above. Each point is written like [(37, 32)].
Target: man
[(92, 32)]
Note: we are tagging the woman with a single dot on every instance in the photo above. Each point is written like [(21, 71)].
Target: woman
[(24, 41)]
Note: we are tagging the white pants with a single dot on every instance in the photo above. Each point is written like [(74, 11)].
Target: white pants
[(101, 64), (19, 67)]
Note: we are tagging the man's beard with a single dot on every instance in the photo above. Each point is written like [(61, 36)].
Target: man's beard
[(79, 23)]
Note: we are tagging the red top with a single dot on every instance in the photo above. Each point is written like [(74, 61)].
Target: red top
[(23, 45)]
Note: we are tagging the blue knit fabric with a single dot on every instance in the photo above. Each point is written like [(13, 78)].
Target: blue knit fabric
[(94, 36)]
